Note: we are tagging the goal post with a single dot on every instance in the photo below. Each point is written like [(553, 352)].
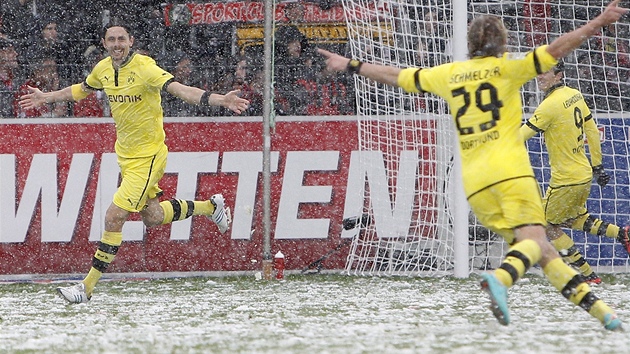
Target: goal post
[(408, 147), (461, 209)]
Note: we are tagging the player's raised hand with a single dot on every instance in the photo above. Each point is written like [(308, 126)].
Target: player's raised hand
[(611, 14), (234, 102), (334, 62), (34, 98), (565, 44)]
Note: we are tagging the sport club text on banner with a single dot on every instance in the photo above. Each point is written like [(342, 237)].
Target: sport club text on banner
[(209, 13), (58, 184), (242, 11)]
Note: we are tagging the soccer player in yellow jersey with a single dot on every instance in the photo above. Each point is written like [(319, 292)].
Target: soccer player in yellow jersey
[(483, 94), (133, 83), (565, 119)]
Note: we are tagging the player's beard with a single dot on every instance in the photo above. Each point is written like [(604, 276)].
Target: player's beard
[(123, 56)]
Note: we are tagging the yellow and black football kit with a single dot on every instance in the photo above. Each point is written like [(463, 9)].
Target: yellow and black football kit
[(133, 92), (567, 124), (566, 121), (484, 97)]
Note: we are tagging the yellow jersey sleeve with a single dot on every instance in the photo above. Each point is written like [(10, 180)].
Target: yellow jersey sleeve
[(409, 80), (93, 80), (593, 141), (528, 131), (154, 76), (518, 63)]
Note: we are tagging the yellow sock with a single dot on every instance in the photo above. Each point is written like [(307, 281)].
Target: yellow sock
[(91, 279), (569, 252), (573, 287), (564, 242), (562, 277), (105, 254), (595, 226), (518, 260), (600, 309), (178, 209)]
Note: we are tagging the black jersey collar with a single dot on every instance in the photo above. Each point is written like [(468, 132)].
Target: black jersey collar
[(553, 88), (129, 58)]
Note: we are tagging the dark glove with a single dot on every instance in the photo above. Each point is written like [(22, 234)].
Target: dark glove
[(601, 176), (352, 222)]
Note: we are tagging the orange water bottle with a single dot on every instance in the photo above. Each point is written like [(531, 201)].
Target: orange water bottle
[(279, 265)]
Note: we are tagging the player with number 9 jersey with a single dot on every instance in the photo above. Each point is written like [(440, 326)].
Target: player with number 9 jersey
[(565, 118)]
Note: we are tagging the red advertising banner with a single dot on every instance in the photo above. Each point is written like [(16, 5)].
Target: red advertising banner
[(58, 178)]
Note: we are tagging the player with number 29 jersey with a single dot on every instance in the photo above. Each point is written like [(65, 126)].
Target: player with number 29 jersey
[(483, 94)]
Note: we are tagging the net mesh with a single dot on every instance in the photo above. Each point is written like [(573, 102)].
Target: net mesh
[(406, 141), (406, 145)]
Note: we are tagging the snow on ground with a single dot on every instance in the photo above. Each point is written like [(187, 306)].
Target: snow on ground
[(305, 314)]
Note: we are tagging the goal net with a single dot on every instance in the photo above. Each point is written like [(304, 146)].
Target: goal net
[(407, 145)]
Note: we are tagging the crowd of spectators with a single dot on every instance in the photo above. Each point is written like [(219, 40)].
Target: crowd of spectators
[(599, 69), (52, 44), (607, 86)]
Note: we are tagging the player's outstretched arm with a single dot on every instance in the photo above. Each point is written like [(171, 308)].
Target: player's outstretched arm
[(231, 101), (35, 97), (594, 142), (194, 95), (380, 73), (568, 42), (527, 132)]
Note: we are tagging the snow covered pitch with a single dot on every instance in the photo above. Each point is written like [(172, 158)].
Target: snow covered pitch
[(305, 314)]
